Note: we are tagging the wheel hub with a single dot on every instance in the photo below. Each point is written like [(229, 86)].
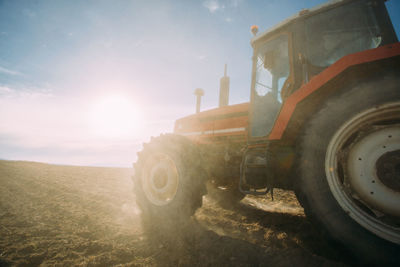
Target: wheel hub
[(160, 179), (367, 166), (388, 170), (362, 169)]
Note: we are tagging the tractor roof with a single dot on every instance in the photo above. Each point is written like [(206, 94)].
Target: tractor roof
[(310, 11)]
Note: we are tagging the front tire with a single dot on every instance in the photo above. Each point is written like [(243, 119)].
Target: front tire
[(346, 185), (168, 183)]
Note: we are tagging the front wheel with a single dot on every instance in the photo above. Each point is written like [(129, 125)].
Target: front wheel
[(349, 166), (168, 182)]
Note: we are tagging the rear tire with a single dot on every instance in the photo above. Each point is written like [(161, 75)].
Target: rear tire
[(168, 183), (336, 192)]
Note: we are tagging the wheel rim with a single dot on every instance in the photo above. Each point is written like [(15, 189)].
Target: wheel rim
[(362, 168), (160, 179)]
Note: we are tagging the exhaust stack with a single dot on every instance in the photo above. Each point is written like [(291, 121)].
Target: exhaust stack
[(224, 90), (198, 93)]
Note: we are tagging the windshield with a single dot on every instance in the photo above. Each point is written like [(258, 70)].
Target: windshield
[(338, 32), (272, 70)]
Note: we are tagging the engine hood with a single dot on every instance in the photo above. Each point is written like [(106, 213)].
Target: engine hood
[(228, 121)]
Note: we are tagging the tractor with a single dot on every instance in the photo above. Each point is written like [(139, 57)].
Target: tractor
[(323, 120)]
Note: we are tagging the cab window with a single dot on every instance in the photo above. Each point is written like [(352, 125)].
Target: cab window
[(272, 71), (338, 32)]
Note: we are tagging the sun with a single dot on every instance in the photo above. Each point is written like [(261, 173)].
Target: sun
[(115, 116)]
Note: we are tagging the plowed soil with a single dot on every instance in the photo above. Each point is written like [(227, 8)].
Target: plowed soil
[(86, 216)]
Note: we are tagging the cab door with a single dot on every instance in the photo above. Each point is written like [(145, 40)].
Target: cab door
[(272, 76)]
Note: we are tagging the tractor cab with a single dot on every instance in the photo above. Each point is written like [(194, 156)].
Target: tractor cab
[(289, 55)]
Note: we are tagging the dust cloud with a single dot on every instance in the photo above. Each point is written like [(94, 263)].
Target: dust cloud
[(86, 216)]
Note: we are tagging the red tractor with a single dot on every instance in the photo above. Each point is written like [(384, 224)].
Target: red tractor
[(323, 120)]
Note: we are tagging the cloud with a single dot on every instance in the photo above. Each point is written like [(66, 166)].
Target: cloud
[(212, 5), (228, 19), (34, 120), (216, 5), (8, 71), (24, 93), (29, 13), (5, 91), (235, 3), (139, 43)]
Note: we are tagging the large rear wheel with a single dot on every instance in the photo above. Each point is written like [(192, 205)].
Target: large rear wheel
[(349, 166), (169, 183)]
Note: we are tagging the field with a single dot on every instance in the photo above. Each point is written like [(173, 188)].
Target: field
[(86, 216)]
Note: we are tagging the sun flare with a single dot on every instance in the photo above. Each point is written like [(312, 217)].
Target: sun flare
[(115, 116)]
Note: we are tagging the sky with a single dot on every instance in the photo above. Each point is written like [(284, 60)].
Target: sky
[(87, 82)]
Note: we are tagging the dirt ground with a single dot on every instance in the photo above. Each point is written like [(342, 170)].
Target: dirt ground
[(86, 216)]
